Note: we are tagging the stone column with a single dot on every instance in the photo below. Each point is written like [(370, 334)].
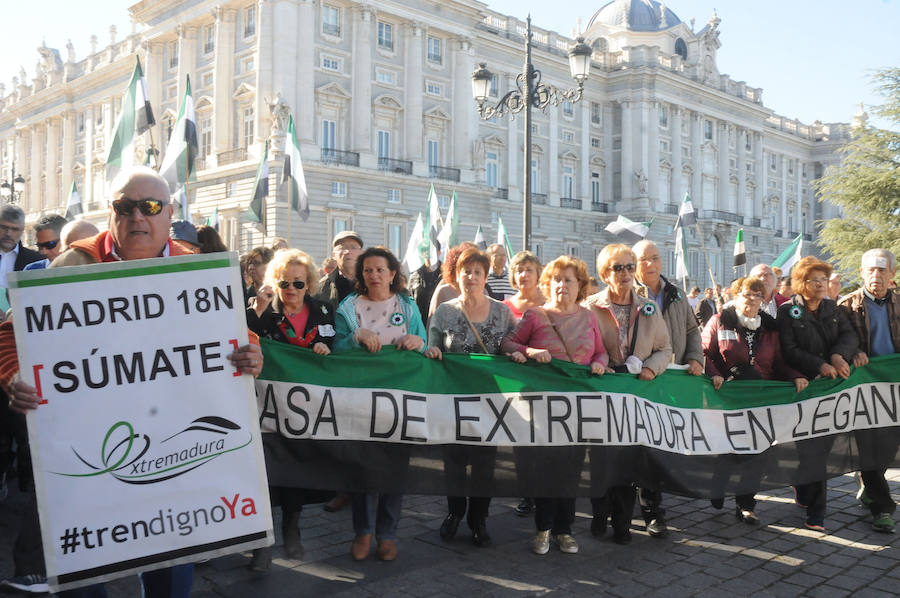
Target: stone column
[(743, 207), (187, 57), (34, 200), (722, 200), (675, 126), (759, 196), (269, 13), (463, 112), (361, 103), (223, 75), (154, 73), (68, 157), (627, 170), (696, 162), (303, 100), (784, 199), (798, 185), (52, 184), (652, 165), (87, 194), (553, 186), (414, 88), (585, 168), (606, 126)]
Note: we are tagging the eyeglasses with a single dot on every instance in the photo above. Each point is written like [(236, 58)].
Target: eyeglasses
[(620, 267), (819, 282), (148, 207), (298, 284), (752, 296), (49, 244), (11, 229)]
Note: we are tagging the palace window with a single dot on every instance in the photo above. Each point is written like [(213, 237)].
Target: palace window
[(385, 35), (331, 20), (434, 50)]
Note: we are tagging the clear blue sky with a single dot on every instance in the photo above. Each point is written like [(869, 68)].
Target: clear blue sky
[(812, 58)]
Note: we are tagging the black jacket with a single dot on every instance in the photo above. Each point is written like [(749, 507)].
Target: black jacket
[(334, 288), (808, 341), (25, 257), (321, 319)]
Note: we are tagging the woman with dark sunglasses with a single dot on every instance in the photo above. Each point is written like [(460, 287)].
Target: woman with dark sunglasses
[(286, 312), (636, 337)]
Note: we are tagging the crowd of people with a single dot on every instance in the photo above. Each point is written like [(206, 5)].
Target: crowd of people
[(473, 301), (640, 323)]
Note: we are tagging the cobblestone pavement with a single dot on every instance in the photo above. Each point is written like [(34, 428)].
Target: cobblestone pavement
[(707, 553)]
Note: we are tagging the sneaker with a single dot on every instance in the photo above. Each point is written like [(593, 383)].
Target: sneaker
[(797, 500), (717, 503), (541, 542), (30, 584), (746, 516), (863, 498), (566, 543), (883, 523), (525, 507), (817, 524), (598, 525), (657, 528)]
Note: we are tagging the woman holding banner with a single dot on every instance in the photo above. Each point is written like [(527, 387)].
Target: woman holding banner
[(817, 339), (379, 313), (560, 329), (471, 323), (285, 311), (638, 343), (741, 343)]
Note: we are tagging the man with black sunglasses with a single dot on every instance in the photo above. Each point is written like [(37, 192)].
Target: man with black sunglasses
[(139, 219), (47, 231)]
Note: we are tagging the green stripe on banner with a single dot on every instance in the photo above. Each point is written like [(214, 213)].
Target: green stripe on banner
[(107, 274), (461, 374)]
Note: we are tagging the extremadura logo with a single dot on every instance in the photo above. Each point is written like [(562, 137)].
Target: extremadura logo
[(131, 457)]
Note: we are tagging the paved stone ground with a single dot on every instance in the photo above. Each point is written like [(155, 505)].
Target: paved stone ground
[(706, 554)]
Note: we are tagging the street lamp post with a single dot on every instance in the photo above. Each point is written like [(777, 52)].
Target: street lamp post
[(11, 190), (531, 92)]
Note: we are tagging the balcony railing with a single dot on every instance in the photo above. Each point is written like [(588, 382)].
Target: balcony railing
[(441, 172), (599, 206), (672, 208), (726, 216), (391, 165), (793, 234), (333, 156), (755, 222), (331, 29), (807, 236), (778, 233), (199, 164), (238, 155), (539, 199), (570, 202), (501, 193)]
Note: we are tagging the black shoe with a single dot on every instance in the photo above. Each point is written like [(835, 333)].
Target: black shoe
[(598, 526), (657, 528), (622, 537), (293, 547), (480, 536), (449, 526), (525, 507), (717, 503)]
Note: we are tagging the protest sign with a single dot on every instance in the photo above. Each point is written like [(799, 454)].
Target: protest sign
[(383, 422), (146, 448)]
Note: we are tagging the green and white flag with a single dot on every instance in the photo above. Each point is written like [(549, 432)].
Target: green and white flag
[(448, 235), (293, 176), (503, 238), (413, 257), (256, 211), (213, 220), (74, 209), (687, 215), (740, 252), (429, 247), (135, 117), (629, 231), (681, 269), (790, 256), (181, 152), (479, 239)]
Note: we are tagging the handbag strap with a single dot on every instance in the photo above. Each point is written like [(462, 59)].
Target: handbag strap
[(472, 326), (558, 335)]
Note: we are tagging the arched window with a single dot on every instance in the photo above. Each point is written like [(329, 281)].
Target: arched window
[(600, 44), (681, 48)]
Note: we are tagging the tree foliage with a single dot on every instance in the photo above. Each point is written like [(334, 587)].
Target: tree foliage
[(866, 184)]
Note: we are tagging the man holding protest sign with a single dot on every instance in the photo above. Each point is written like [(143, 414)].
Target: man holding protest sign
[(140, 217), (875, 314)]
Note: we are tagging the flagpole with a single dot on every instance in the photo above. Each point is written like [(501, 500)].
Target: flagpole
[(705, 254), (152, 148)]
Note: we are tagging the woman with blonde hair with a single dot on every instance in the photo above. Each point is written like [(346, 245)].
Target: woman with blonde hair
[(638, 343), (285, 311), (560, 329), (524, 272)]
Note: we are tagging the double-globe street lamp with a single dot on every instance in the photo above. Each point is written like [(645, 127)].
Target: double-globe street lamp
[(531, 92), (12, 189)]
